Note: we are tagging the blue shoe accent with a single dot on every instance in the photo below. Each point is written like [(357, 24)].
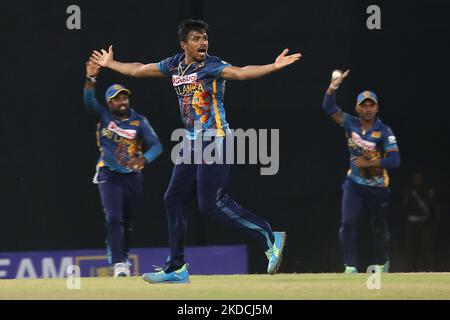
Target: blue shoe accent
[(178, 276), (349, 269), (384, 268), (275, 254)]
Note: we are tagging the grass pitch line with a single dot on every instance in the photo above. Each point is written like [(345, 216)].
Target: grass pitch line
[(238, 287)]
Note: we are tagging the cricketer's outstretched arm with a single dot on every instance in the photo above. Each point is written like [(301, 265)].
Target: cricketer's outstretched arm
[(329, 100), (253, 72), (134, 69)]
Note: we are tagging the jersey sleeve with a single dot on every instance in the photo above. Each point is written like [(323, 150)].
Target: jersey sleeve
[(389, 140), (166, 65), (347, 121), (329, 104), (215, 67), (151, 141), (91, 103)]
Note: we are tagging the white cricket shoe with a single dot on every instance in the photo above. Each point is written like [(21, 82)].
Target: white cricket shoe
[(121, 270)]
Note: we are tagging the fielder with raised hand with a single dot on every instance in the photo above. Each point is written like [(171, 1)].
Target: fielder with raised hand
[(373, 150), (121, 134), (199, 81)]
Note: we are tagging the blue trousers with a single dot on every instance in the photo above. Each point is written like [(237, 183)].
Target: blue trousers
[(361, 200), (118, 192), (210, 181)]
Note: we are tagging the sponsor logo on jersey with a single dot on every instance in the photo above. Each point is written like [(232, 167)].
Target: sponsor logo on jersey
[(376, 134), (135, 123), (187, 79), (126, 133), (189, 89), (367, 145)]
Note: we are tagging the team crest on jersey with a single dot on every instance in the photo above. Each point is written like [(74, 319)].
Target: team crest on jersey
[(135, 123), (201, 65), (367, 145), (376, 134), (187, 79), (126, 133)]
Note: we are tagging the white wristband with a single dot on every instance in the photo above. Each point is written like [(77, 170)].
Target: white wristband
[(91, 79), (333, 87)]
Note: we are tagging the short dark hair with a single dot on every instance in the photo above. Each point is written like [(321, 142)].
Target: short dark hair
[(189, 25)]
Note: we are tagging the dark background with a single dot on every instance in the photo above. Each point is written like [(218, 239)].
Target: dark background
[(48, 140)]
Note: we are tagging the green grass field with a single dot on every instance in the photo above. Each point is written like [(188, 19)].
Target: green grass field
[(281, 286)]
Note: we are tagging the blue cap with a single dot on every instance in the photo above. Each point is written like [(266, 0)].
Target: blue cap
[(114, 90), (366, 95)]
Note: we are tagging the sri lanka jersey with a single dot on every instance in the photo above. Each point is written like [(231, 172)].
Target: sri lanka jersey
[(200, 92), (120, 140), (371, 144)]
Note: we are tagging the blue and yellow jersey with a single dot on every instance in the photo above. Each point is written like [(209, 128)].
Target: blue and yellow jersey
[(120, 140), (372, 144), (200, 92)]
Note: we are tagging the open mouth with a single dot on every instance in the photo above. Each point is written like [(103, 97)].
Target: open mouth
[(202, 50)]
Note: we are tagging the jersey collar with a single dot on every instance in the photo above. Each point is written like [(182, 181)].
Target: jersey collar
[(377, 126)]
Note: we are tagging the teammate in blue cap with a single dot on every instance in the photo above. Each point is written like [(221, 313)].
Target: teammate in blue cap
[(373, 150), (199, 81), (121, 134)]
